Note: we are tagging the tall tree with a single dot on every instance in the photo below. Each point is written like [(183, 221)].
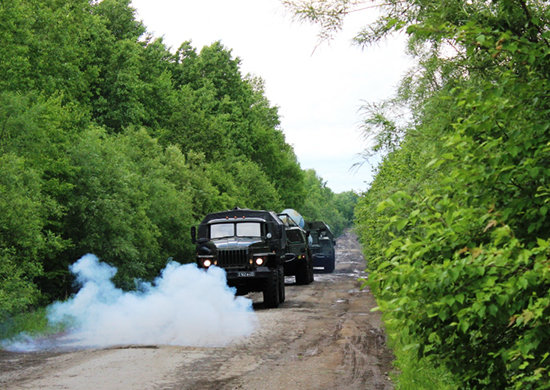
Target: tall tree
[(111, 144)]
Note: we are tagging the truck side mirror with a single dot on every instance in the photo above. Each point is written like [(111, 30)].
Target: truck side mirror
[(193, 234)]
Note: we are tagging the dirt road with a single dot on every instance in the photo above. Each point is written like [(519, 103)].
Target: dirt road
[(323, 337)]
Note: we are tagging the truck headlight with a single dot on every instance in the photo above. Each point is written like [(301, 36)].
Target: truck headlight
[(259, 261), (206, 262)]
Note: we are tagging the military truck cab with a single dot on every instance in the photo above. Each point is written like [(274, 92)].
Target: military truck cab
[(250, 245)]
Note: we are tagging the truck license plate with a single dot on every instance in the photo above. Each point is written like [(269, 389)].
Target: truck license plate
[(245, 274)]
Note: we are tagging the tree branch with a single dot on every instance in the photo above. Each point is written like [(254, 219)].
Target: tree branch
[(530, 20)]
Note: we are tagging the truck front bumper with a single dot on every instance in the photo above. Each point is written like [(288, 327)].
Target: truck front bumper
[(258, 273)]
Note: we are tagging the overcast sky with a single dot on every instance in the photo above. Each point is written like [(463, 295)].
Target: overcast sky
[(319, 89)]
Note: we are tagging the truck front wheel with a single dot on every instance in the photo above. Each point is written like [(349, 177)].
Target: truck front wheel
[(271, 290)]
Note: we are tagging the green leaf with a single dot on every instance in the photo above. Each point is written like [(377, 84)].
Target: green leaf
[(435, 163), (464, 325), (414, 214), (543, 244), (400, 224), (384, 205)]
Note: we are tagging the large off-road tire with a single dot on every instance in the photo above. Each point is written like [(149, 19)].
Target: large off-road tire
[(310, 267), (329, 268), (282, 295), (241, 291), (302, 273), (271, 290)]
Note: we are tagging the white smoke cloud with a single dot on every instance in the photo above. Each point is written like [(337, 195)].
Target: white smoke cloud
[(183, 306)]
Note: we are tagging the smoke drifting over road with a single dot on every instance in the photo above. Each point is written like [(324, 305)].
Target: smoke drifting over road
[(183, 306)]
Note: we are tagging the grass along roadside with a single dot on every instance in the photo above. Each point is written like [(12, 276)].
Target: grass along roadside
[(414, 372), (32, 323)]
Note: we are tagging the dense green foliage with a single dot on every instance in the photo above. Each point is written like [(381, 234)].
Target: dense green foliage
[(456, 224), (112, 144)]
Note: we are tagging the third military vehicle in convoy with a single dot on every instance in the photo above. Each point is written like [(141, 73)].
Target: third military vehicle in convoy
[(251, 245), (322, 245)]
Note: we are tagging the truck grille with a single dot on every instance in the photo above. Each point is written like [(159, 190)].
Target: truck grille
[(232, 258)]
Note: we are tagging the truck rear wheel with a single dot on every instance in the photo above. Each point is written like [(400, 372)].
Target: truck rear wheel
[(302, 273), (329, 268), (271, 289), (310, 270), (282, 294)]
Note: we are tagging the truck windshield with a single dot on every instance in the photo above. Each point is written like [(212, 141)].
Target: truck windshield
[(325, 244), (240, 229), (294, 236), (249, 229), (220, 230)]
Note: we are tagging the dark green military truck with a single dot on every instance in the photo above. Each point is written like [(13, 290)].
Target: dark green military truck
[(251, 245), (301, 266), (322, 245)]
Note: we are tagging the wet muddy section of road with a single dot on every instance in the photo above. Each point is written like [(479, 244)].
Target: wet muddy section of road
[(323, 337)]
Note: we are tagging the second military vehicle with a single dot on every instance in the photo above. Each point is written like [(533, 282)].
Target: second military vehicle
[(301, 266)]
